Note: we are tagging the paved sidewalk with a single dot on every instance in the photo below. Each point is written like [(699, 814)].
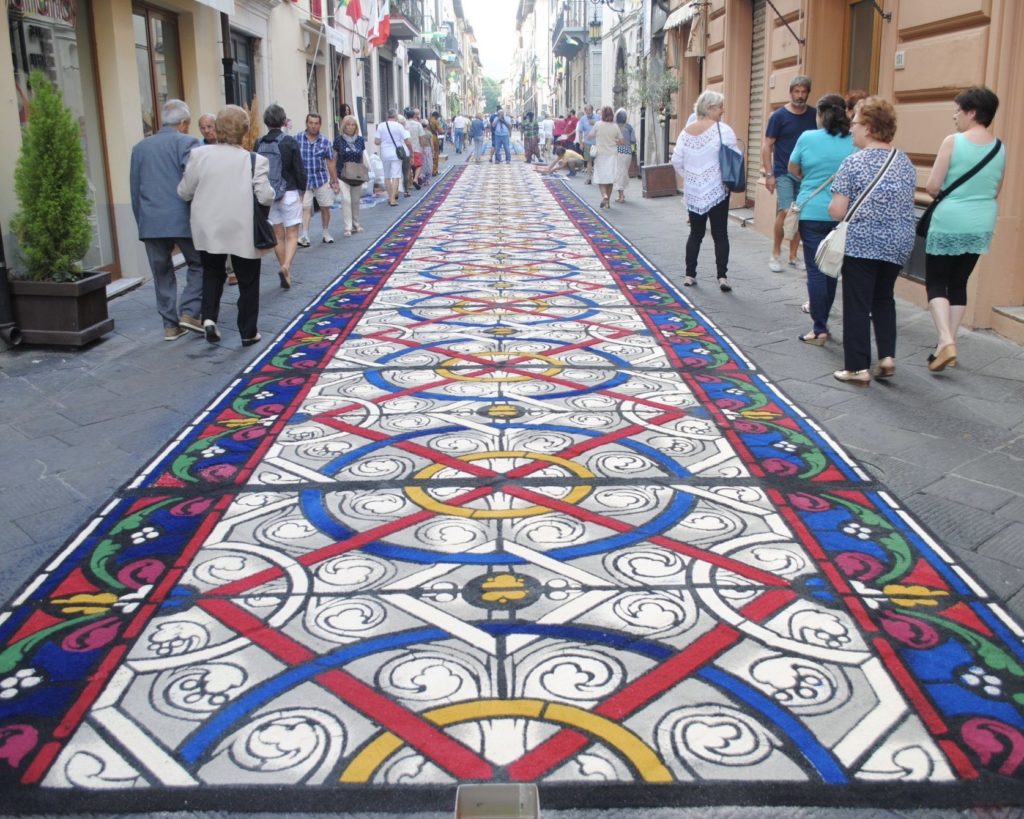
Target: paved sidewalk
[(77, 425)]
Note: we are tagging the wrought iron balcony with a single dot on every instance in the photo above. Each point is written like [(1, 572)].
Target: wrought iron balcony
[(406, 19), (570, 32)]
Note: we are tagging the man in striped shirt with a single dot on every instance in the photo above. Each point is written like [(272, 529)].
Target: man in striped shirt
[(321, 178)]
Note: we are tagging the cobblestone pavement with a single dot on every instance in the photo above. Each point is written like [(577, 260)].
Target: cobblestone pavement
[(75, 426)]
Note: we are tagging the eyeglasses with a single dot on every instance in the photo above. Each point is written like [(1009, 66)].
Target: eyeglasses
[(855, 122)]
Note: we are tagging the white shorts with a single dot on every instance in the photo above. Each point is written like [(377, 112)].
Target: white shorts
[(392, 168), (287, 210), (324, 195)]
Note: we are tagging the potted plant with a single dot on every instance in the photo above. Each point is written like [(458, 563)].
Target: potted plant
[(55, 301), (652, 90)]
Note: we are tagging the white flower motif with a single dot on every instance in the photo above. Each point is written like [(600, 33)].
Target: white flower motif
[(140, 536), (21, 680), (785, 446), (213, 451), (131, 601), (858, 531), (262, 394), (734, 391), (976, 677), (268, 421)]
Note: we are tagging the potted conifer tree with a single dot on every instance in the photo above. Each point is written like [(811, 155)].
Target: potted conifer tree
[(55, 301)]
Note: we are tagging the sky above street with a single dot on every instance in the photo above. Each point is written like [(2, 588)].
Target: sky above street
[(494, 25)]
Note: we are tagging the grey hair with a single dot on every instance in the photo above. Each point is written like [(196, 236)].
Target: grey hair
[(175, 112), (209, 116), (800, 79), (392, 112), (620, 116), (274, 116), (707, 100)]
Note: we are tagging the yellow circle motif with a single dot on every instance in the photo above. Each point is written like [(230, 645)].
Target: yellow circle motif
[(422, 498), (445, 371)]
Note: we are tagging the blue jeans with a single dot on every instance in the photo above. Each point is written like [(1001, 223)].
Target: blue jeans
[(821, 289), (459, 137), (501, 142)]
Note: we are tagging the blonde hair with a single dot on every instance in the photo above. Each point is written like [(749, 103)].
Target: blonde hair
[(232, 124), (346, 120)]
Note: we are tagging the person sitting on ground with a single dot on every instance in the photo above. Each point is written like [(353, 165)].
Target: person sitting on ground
[(564, 158)]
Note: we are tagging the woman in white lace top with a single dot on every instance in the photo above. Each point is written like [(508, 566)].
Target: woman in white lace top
[(707, 199)]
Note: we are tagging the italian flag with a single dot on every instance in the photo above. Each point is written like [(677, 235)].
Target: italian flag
[(380, 25), (353, 8)]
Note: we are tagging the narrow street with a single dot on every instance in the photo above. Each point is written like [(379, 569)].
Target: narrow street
[(494, 501)]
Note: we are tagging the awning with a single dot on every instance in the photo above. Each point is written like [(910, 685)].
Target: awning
[(681, 16), (223, 6)]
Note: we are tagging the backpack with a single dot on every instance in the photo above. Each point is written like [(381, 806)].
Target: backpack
[(271, 149)]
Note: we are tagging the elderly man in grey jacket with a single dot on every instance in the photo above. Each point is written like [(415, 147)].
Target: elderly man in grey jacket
[(158, 163)]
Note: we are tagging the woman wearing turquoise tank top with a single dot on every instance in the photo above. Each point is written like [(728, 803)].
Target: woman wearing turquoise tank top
[(963, 222)]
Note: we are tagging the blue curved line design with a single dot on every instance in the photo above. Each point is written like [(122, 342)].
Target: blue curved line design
[(824, 761), (235, 713)]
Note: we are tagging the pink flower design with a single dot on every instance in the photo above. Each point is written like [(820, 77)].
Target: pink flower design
[(861, 567), (809, 503), (92, 636), (999, 746), (777, 466), (141, 573), (194, 507), (909, 630), (15, 742)]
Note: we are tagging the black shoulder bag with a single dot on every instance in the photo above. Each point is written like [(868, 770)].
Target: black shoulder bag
[(400, 152), (926, 218), (262, 231)]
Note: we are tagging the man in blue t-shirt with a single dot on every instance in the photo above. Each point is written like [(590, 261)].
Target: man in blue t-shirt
[(784, 128)]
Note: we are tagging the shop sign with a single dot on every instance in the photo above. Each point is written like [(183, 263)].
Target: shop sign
[(58, 11)]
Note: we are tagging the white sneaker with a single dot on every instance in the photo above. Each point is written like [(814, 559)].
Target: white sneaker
[(303, 241), (774, 264), (797, 263), (327, 238), (805, 307)]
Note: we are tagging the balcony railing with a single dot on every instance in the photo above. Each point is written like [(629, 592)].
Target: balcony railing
[(406, 19)]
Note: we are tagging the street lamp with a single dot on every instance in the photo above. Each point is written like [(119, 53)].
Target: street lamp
[(594, 30), (618, 6)]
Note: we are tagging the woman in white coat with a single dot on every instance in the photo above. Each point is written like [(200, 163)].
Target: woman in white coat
[(220, 181)]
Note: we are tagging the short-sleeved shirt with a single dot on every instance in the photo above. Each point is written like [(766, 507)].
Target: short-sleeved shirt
[(349, 151), (585, 127), (391, 134), (530, 129), (314, 157), (819, 155), (884, 226), (571, 156), (785, 128), (416, 130), (500, 127), (460, 123)]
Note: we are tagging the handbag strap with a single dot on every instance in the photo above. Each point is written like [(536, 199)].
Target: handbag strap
[(817, 190), (878, 178), (987, 158), (388, 126)]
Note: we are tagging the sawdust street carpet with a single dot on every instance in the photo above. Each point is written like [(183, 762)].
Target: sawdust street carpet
[(503, 506)]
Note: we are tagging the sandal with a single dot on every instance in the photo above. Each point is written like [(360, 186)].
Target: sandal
[(817, 339), (859, 377), (285, 276)]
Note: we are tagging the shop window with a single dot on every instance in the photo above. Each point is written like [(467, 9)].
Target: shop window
[(243, 49), (57, 41), (158, 60)]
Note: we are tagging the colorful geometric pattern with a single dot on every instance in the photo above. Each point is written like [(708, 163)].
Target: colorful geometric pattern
[(503, 506)]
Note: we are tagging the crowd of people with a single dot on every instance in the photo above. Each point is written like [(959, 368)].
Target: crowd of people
[(828, 163), (835, 162)]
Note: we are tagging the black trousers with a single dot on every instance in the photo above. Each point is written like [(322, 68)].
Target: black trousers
[(868, 302), (719, 218), (945, 277), (247, 271)]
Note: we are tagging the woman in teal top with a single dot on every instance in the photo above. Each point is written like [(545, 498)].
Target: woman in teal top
[(814, 160), (962, 223)]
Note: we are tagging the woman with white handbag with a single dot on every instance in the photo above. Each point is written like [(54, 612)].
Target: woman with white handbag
[(879, 181), (814, 161)]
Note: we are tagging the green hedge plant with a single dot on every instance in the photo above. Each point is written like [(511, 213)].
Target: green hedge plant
[(52, 223)]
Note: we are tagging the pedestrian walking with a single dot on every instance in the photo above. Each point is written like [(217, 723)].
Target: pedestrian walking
[(477, 129), (547, 135), (220, 181), (416, 133), (707, 199), (784, 128), (426, 147), (531, 139), (879, 238), (350, 151), (391, 136), (585, 139), (606, 137), (624, 151), (287, 175), (814, 161), (157, 165), (436, 130), (459, 126), (321, 178), (963, 222)]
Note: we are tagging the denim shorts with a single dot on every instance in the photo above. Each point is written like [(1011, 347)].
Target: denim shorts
[(786, 189)]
